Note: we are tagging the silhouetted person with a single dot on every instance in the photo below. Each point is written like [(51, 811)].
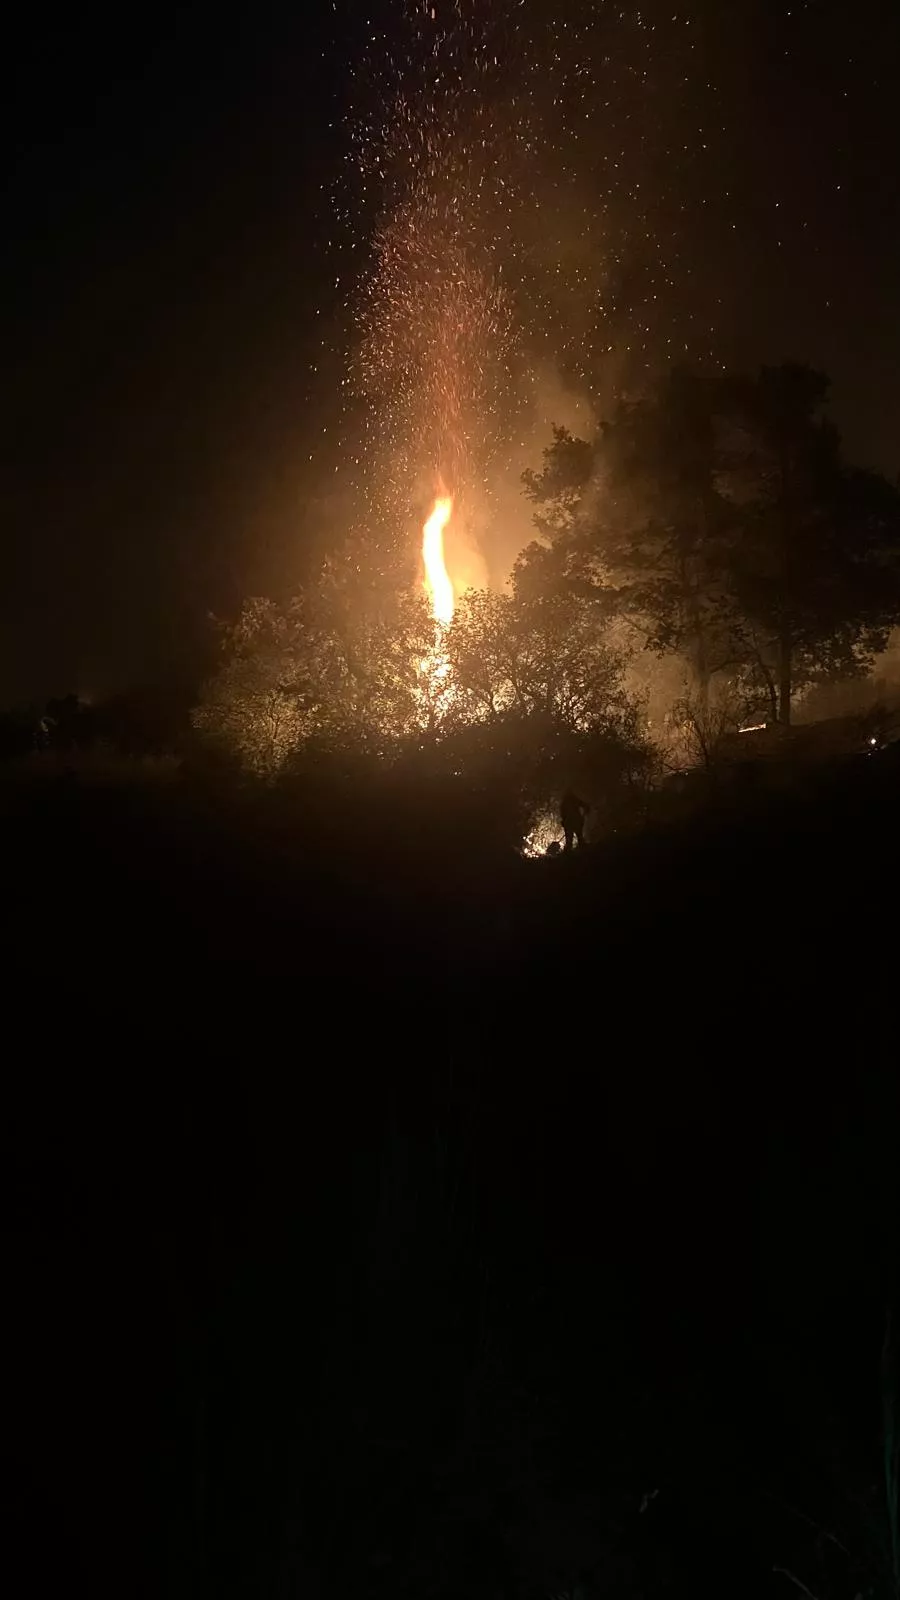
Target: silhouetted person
[(572, 813)]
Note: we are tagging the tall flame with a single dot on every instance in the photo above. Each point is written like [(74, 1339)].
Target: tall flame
[(437, 579)]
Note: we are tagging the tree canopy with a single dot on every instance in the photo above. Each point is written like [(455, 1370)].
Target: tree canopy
[(518, 697), (719, 515), (713, 520)]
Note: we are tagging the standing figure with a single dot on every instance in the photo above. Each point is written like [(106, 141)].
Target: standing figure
[(572, 813)]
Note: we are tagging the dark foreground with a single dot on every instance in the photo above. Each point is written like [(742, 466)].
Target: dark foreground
[(392, 1217)]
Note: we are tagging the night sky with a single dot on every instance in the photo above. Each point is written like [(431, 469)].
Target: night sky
[(173, 320)]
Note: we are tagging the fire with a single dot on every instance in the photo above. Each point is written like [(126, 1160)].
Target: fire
[(438, 586)]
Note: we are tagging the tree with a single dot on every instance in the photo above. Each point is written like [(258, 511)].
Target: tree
[(718, 515), (672, 529), (652, 537), (815, 573), (256, 706), (540, 701), (570, 556), (547, 656), (337, 665), (499, 712), (368, 670), (560, 485), (700, 729)]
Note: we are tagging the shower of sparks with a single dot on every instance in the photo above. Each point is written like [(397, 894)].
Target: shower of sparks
[(435, 331), (518, 185)]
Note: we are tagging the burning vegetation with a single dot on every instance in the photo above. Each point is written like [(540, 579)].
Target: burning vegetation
[(704, 556)]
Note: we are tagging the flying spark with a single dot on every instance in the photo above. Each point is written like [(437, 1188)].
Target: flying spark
[(517, 190)]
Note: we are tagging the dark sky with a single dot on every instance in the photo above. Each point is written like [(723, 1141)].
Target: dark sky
[(160, 291), (166, 280)]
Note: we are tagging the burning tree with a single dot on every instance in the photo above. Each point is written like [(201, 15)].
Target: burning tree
[(502, 700)]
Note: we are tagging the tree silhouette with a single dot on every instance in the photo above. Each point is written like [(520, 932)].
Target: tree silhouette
[(717, 515), (333, 665), (673, 530), (546, 655), (256, 705), (637, 518), (814, 571)]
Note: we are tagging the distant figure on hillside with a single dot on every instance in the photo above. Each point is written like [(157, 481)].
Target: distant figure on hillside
[(572, 812)]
